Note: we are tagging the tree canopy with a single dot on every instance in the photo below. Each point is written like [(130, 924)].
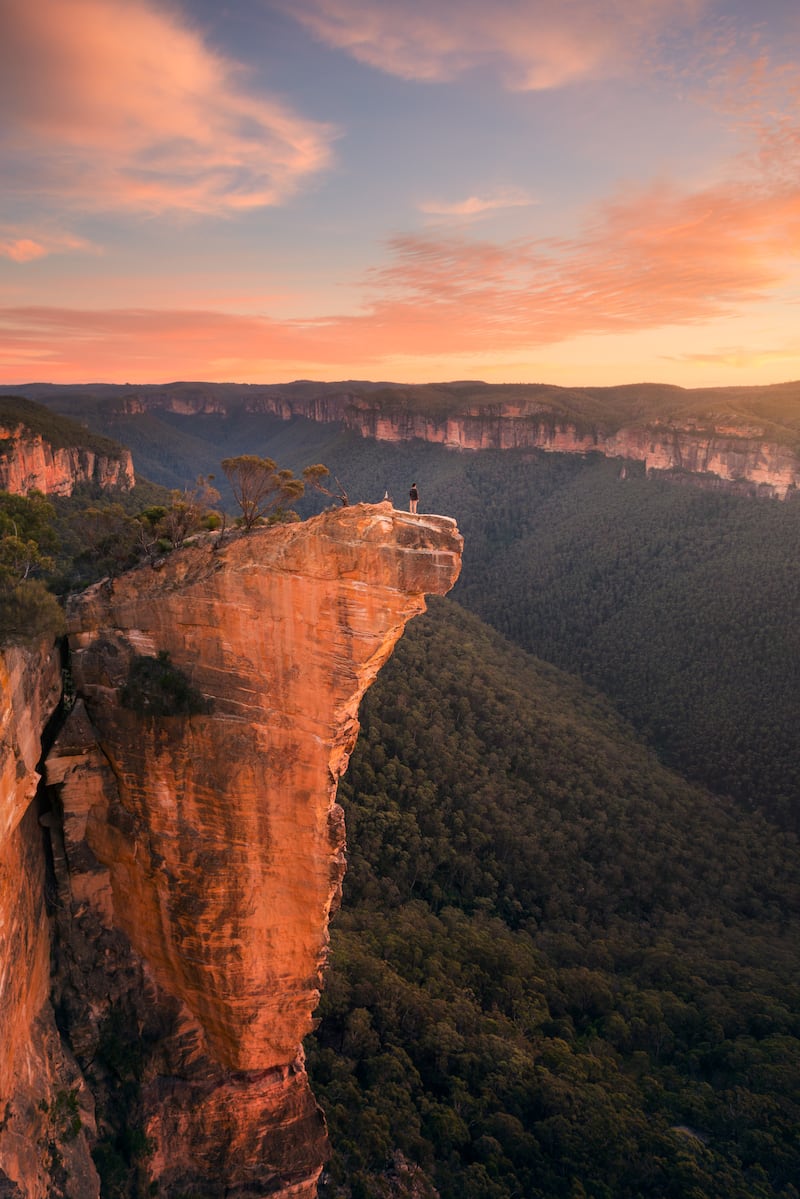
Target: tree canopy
[(559, 969), (259, 487)]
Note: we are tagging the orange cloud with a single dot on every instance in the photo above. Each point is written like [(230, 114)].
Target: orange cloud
[(654, 258), (113, 104), (546, 45), (650, 259)]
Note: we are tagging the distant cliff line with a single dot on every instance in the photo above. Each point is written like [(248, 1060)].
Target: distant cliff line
[(745, 439), (43, 451)]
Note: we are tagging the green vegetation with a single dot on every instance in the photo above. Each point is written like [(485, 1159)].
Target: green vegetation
[(27, 610), (678, 603), (103, 533), (62, 1125), (559, 969), (157, 687), (319, 477), (60, 431), (261, 490)]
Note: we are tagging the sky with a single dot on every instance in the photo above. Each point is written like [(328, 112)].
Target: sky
[(578, 192)]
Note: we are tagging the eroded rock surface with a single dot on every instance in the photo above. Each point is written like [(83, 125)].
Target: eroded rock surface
[(28, 461), (203, 853), (45, 1108)]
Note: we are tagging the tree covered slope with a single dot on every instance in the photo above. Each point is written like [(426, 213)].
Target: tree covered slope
[(559, 969)]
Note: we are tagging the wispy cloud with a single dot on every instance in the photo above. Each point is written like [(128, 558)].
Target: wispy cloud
[(654, 259), (474, 206), (736, 356), (118, 105), (24, 247), (534, 47)]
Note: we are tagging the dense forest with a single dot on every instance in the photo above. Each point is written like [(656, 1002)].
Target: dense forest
[(559, 969)]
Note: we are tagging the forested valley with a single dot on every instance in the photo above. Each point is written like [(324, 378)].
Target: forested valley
[(559, 970), (566, 963), (676, 600)]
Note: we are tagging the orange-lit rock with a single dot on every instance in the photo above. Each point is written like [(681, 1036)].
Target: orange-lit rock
[(34, 1069), (214, 841), (29, 462)]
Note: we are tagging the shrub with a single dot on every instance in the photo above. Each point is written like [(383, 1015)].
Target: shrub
[(156, 687), (28, 612)]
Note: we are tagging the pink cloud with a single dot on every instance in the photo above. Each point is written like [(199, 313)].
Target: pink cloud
[(652, 258), (478, 205), (22, 248), (113, 104), (546, 45)]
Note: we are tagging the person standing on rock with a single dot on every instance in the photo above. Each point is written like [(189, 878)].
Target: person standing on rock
[(413, 498)]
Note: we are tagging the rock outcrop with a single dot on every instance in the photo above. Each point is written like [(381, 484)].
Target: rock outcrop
[(203, 850), (28, 461)]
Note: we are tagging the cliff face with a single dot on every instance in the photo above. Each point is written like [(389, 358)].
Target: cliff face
[(723, 436), (28, 461), (40, 1086), (203, 853), (741, 456), (732, 455)]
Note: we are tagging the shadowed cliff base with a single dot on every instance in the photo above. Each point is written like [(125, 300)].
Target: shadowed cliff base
[(203, 851)]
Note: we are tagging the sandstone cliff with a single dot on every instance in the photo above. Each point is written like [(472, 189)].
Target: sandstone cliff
[(42, 1095), (739, 438), (659, 429), (742, 456), (28, 461), (201, 853)]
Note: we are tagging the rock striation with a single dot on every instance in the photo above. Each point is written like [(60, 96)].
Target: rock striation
[(28, 461), (742, 457), (203, 848), (41, 1089)]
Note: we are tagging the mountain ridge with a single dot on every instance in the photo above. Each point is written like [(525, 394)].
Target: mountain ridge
[(748, 439)]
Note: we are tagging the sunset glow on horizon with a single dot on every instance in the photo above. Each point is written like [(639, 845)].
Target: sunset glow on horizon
[(563, 191)]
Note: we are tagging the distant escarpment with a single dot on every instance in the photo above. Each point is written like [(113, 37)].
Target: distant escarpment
[(42, 451), (743, 456), (740, 438), (197, 846)]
